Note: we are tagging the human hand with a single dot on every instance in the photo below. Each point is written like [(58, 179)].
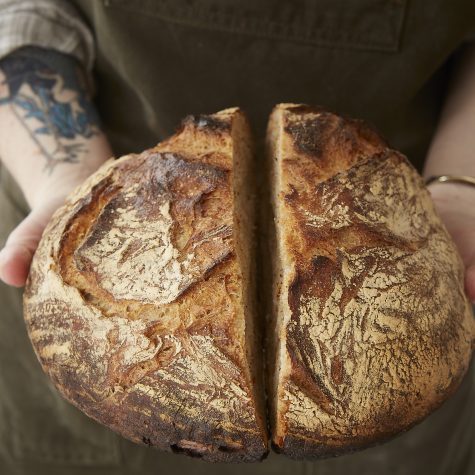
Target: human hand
[(16, 256), (456, 205)]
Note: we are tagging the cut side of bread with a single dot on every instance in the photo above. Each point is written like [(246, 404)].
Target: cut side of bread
[(141, 301), (371, 330)]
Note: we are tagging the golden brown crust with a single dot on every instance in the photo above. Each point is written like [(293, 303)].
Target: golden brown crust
[(376, 331), (132, 295), (131, 299)]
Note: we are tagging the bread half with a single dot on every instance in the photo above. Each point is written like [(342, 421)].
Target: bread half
[(371, 327), (140, 299)]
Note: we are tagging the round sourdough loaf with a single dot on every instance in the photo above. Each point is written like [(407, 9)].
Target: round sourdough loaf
[(137, 303)]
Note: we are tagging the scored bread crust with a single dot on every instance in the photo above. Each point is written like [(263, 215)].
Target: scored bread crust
[(134, 299), (372, 327)]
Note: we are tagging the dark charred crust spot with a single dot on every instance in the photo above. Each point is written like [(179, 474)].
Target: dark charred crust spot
[(147, 441), (364, 128), (228, 449), (327, 137), (88, 297), (292, 195), (208, 123), (178, 163), (319, 263), (307, 135), (295, 290)]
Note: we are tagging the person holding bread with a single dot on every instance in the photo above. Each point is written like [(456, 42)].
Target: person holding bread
[(81, 81)]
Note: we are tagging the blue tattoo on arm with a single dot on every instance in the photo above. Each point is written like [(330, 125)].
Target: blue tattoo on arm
[(39, 107)]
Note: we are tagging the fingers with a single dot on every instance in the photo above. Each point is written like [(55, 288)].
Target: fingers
[(470, 282), (15, 264), (16, 256)]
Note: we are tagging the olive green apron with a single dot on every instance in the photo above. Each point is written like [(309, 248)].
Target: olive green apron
[(157, 61)]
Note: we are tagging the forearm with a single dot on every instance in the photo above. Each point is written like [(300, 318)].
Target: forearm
[(50, 136), (453, 147), (453, 153)]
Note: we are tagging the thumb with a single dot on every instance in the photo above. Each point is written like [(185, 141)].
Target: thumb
[(16, 256)]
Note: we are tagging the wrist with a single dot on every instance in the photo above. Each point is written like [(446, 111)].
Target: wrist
[(51, 189), (67, 176), (453, 200), (57, 187), (451, 190)]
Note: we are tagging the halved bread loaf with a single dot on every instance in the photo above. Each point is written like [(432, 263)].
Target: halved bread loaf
[(140, 299), (372, 330)]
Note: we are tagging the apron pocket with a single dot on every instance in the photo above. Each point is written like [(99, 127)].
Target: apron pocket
[(364, 24)]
